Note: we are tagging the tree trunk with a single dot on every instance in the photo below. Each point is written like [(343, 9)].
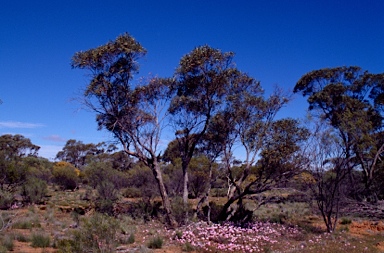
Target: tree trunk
[(185, 186), (164, 196), (205, 198)]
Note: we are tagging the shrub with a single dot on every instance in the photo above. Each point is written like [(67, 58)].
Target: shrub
[(96, 234), (345, 221), (219, 192), (278, 218), (97, 172), (22, 225), (138, 210), (155, 243), (107, 190), (38, 167), (107, 196), (132, 192), (21, 238), (179, 209), (179, 234), (140, 177), (34, 190), (6, 199), (26, 223), (131, 238), (188, 247), (65, 175), (66, 246), (8, 243), (40, 241), (215, 211)]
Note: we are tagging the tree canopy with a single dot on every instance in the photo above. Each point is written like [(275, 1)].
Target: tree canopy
[(350, 100)]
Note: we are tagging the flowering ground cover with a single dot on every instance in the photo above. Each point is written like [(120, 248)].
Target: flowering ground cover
[(268, 237), (254, 237)]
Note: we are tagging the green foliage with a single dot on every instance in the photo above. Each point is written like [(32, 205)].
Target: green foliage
[(107, 182), (179, 209), (40, 240), (198, 175), (173, 177), (22, 238), (131, 238), (6, 199), (26, 224), (107, 190), (98, 233), (178, 234), (279, 153), (7, 243), (345, 221), (155, 242), (76, 153), (65, 175), (23, 225), (132, 192), (38, 167), (105, 205), (140, 177), (13, 149), (188, 247), (95, 172), (139, 210), (33, 190), (215, 211), (66, 246), (350, 100)]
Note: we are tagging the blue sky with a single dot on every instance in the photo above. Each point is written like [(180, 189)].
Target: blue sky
[(275, 41)]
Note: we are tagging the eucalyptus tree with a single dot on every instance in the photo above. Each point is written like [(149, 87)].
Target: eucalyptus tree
[(211, 147), (350, 100), (134, 114), (200, 85), (78, 153), (272, 152), (13, 149)]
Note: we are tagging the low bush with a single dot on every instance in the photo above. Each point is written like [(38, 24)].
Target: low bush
[(100, 171), (138, 210), (7, 243), (22, 238), (26, 223), (179, 210), (95, 234), (106, 197), (34, 190), (131, 192), (345, 221), (22, 225), (215, 211), (155, 243), (40, 241), (66, 245), (219, 192), (131, 238), (188, 247), (65, 175), (6, 199)]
